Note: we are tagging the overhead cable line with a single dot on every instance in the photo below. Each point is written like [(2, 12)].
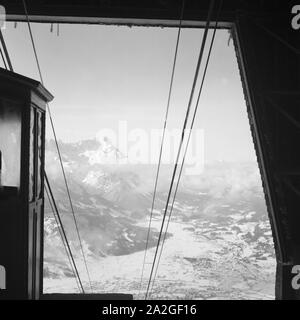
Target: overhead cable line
[(204, 38), (63, 230), (188, 139), (6, 52), (57, 147), (59, 226), (3, 59), (163, 138)]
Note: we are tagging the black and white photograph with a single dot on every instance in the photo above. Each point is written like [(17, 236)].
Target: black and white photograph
[(149, 150)]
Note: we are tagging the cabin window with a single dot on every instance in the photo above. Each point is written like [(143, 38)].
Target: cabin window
[(10, 143), (111, 87), (2, 278)]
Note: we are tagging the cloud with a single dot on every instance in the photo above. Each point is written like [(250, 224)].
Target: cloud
[(227, 180)]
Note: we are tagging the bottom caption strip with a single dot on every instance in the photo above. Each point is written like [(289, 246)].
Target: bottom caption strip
[(149, 309)]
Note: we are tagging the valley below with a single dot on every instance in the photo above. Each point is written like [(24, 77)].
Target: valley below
[(219, 243)]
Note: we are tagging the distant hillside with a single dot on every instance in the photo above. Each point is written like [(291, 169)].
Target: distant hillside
[(219, 228)]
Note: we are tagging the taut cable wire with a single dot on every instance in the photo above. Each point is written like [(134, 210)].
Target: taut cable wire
[(4, 62), (63, 230), (163, 138), (6, 52), (189, 136), (57, 147), (210, 11), (62, 239)]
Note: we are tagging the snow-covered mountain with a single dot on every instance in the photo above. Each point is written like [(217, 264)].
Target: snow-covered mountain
[(219, 242)]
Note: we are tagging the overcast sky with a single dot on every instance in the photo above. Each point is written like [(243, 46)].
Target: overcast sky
[(102, 74)]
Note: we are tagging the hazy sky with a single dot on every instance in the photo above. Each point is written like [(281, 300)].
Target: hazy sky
[(102, 74)]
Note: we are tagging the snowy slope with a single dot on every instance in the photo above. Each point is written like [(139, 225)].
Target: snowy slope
[(219, 243)]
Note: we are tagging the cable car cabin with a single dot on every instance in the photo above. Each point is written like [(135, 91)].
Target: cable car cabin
[(22, 144), (22, 149)]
